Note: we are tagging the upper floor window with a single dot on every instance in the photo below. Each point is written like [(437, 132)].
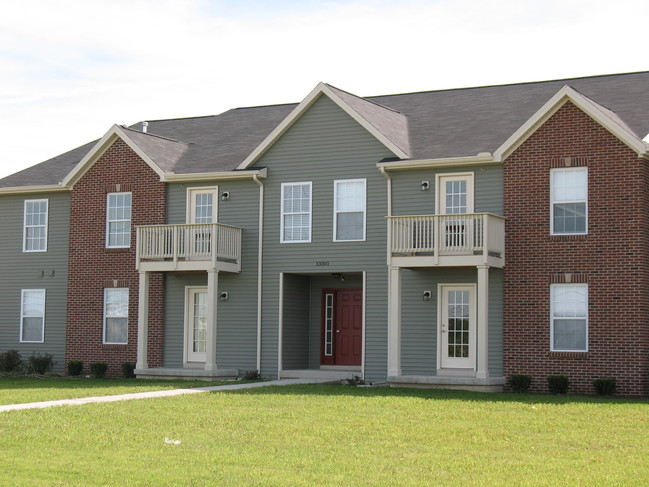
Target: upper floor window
[(569, 317), (116, 315), (118, 220), (296, 212), (35, 226), (32, 315), (349, 210), (569, 200)]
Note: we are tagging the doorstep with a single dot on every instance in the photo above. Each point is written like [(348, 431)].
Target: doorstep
[(188, 373), (490, 384)]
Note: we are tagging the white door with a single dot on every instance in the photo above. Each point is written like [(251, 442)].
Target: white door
[(457, 327), (201, 209), (455, 197), (195, 324)]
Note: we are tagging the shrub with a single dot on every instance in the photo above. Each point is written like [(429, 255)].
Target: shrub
[(252, 375), (75, 367), (558, 384), (98, 369), (10, 361), (354, 381), (605, 386), (128, 370), (520, 382), (39, 364)]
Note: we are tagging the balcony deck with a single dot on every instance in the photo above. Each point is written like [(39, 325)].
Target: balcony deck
[(462, 240), (192, 247)]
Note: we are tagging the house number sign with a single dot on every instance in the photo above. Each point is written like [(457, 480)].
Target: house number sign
[(321, 263)]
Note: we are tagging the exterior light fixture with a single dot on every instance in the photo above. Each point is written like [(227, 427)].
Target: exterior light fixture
[(225, 195), (425, 185), (427, 296)]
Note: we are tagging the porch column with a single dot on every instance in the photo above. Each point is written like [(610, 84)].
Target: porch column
[(210, 333), (143, 321), (482, 371), (394, 322)]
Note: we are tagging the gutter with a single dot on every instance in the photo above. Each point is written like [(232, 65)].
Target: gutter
[(260, 254)]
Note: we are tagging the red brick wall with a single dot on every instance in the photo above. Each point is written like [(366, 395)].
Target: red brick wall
[(612, 258), (93, 267)]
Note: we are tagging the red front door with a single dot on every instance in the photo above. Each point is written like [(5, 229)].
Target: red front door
[(342, 326)]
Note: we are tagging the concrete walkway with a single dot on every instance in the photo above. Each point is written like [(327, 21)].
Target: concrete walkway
[(146, 395)]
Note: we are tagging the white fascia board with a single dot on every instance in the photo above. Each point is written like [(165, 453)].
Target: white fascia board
[(102, 146), (214, 176), (593, 110), (303, 106), (483, 158), (45, 188)]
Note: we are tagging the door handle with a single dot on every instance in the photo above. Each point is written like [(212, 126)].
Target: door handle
[(443, 329), (337, 331)]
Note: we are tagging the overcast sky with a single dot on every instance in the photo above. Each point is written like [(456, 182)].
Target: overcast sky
[(69, 69)]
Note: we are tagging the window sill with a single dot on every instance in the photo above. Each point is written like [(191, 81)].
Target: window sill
[(113, 346), (569, 355), (568, 238), (117, 249)]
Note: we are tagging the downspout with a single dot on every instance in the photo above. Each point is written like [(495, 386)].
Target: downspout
[(260, 254)]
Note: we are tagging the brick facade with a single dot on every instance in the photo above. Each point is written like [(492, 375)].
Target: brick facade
[(613, 258), (93, 267)]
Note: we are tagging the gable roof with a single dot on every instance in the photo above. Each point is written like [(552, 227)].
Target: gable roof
[(451, 124)]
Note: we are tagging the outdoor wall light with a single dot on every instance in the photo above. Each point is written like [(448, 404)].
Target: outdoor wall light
[(338, 276), (225, 195), (224, 296), (427, 296), (425, 185)]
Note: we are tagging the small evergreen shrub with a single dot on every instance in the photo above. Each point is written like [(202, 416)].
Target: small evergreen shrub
[(98, 369), (252, 375), (128, 370), (10, 361), (75, 367), (558, 384), (605, 386), (354, 381), (520, 382), (40, 364)]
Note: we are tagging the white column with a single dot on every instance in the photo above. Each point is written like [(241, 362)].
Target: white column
[(482, 371), (212, 304), (143, 322), (394, 322)]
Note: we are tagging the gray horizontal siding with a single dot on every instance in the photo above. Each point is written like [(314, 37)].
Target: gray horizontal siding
[(35, 270)]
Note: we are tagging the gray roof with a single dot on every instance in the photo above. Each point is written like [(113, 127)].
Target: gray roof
[(427, 125)]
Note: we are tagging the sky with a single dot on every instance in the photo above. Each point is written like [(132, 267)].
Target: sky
[(71, 69)]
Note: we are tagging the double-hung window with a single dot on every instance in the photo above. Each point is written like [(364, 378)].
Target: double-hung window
[(118, 220), (569, 317), (32, 316), (35, 226), (296, 212), (349, 210), (116, 315), (569, 195)]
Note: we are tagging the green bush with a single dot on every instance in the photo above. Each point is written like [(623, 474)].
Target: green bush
[(98, 369), (10, 361), (558, 384), (75, 367), (252, 375), (520, 382), (40, 364), (128, 370), (605, 386)]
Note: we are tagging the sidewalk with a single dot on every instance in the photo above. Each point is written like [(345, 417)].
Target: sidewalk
[(146, 395)]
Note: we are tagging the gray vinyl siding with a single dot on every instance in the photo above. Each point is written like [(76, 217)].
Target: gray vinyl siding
[(325, 145), (34, 270), (237, 317), (419, 317), (409, 199)]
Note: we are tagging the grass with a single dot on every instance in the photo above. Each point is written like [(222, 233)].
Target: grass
[(19, 390), (331, 435)]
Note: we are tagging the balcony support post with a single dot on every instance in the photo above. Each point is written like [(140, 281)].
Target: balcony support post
[(143, 321), (394, 322), (482, 371), (210, 334)]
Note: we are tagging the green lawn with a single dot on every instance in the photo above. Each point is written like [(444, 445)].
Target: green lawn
[(18, 390), (330, 436)]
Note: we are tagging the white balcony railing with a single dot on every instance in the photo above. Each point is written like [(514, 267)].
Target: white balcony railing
[(470, 234), (202, 241)]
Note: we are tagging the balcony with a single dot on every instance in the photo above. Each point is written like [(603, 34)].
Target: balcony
[(446, 240), (195, 247)]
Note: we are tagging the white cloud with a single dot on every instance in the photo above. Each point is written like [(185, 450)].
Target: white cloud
[(70, 69)]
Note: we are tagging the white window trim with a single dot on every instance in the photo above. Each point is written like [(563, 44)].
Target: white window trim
[(468, 176), (190, 208), (364, 181), (22, 316), (130, 221), (553, 171), (552, 349), (47, 217), (106, 290), (281, 213)]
